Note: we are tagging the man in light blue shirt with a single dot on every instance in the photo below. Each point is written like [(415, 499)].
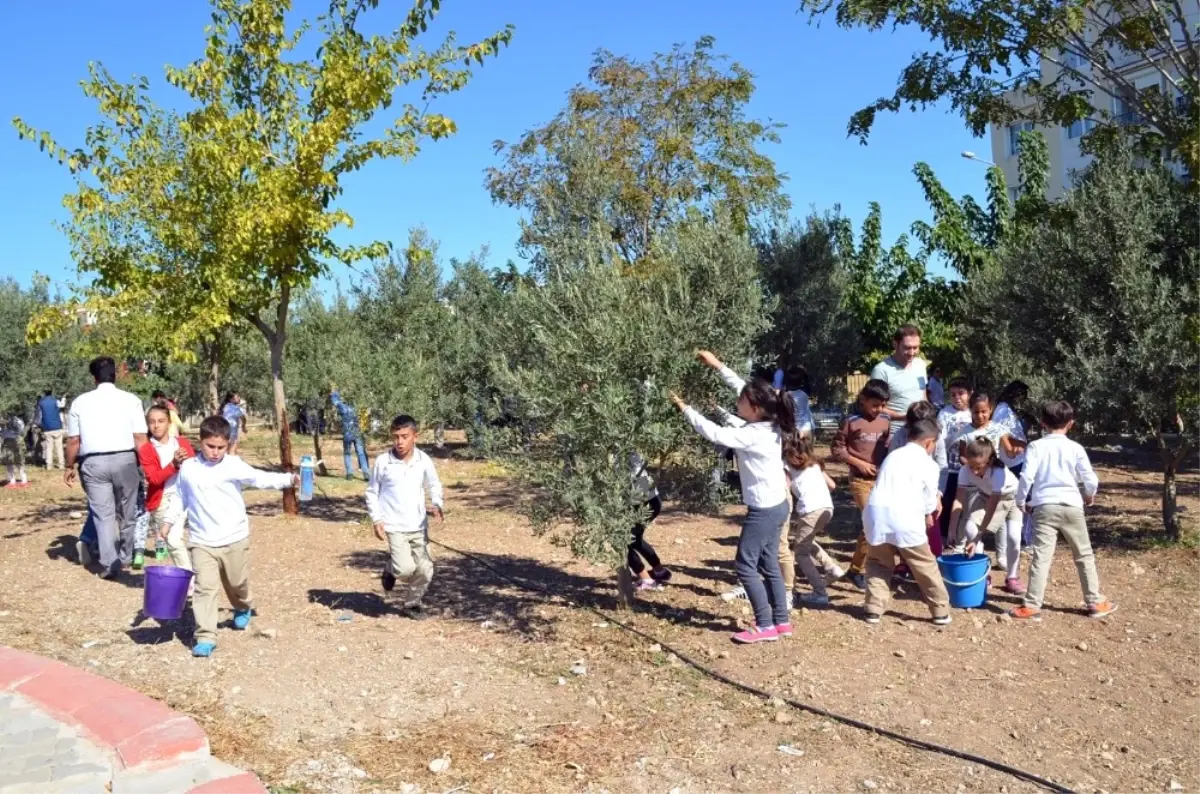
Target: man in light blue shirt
[(904, 373)]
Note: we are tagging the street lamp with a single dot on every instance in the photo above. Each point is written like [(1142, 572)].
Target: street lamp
[(977, 158)]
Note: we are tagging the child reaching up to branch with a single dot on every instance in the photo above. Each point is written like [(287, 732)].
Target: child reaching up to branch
[(759, 446)]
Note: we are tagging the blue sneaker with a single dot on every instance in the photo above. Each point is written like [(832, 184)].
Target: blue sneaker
[(241, 619), (203, 649)]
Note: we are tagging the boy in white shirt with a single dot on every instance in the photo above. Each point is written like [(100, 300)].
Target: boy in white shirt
[(896, 520), (1055, 468), (396, 503), (210, 490)]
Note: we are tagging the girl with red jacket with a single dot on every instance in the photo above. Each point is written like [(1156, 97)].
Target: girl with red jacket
[(161, 458)]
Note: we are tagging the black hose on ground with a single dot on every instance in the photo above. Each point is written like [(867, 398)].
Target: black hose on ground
[(911, 741)]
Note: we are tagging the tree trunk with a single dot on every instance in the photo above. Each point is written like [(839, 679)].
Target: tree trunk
[(439, 435), (213, 351), (291, 506), (1172, 459), (316, 434), (624, 588)]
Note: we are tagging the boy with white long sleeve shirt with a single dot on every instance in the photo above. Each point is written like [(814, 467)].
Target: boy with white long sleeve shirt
[(396, 492), (898, 514), (210, 491), (1049, 487)]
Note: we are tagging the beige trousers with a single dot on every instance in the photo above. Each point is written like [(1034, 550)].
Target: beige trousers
[(410, 563), (219, 567), (169, 515), (881, 561), (809, 555), (52, 446), (1048, 522)]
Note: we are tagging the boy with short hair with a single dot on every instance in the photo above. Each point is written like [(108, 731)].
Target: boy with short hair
[(396, 492), (1049, 488), (210, 490), (897, 519), (861, 443)]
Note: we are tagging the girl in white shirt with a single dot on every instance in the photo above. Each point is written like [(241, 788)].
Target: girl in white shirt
[(1013, 401), (759, 446), (989, 492), (811, 514)]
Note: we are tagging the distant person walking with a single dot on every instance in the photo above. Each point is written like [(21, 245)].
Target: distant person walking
[(105, 427), (50, 421), (904, 373), (233, 408), (352, 437)]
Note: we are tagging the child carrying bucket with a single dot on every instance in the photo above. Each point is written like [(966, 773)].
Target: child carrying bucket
[(161, 457), (210, 490), (899, 513)]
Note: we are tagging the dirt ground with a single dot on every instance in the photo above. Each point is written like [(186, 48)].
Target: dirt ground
[(521, 692)]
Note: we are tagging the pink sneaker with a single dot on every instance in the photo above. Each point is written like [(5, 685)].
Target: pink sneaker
[(783, 630), (1014, 586), (751, 636)]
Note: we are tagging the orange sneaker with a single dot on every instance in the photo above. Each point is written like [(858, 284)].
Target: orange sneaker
[(1102, 609), (1025, 613)]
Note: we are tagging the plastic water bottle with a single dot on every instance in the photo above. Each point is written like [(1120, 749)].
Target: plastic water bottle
[(307, 472), (160, 549)]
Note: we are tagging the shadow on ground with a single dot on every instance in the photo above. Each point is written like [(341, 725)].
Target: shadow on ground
[(470, 589)]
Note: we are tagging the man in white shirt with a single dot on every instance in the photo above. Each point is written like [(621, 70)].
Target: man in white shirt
[(105, 427), (904, 373), (396, 503)]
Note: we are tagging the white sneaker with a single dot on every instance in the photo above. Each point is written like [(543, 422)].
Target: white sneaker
[(83, 553), (791, 599), (734, 594)]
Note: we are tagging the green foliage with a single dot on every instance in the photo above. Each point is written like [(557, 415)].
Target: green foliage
[(890, 287), (640, 145), (998, 61), (28, 370), (812, 325), (593, 356), (1099, 299)]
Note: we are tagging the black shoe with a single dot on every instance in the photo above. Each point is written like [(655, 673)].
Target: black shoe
[(388, 580), (660, 574), (112, 571), (414, 612)]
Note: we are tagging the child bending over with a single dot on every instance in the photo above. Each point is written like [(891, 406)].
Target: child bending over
[(811, 514), (988, 489)]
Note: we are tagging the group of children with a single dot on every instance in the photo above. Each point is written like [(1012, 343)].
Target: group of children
[(933, 485)]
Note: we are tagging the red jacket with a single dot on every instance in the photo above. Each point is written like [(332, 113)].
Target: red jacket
[(158, 474)]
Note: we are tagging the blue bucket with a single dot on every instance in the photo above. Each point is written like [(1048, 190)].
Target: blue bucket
[(966, 579)]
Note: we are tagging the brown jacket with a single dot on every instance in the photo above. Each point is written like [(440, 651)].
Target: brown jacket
[(865, 439)]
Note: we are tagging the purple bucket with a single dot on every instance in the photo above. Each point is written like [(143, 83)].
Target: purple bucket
[(166, 591)]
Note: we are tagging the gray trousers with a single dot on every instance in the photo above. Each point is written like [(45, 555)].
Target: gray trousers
[(111, 484)]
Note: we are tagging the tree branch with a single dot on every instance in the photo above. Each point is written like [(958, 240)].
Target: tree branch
[(1188, 41), (1169, 46), (1129, 47)]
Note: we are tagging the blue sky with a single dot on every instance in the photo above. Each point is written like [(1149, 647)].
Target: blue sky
[(810, 78)]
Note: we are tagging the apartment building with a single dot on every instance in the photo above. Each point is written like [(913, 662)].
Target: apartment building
[(1063, 143)]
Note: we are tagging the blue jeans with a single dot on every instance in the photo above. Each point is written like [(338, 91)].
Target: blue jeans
[(349, 443), (88, 535), (757, 564)]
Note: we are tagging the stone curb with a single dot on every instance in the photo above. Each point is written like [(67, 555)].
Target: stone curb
[(142, 734)]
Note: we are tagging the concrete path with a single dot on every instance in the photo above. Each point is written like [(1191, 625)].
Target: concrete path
[(64, 730)]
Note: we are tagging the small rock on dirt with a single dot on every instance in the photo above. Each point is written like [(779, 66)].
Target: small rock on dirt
[(268, 634), (870, 785), (358, 773), (75, 514), (407, 788), (1108, 756), (926, 722), (1083, 646), (409, 655), (1175, 786), (342, 649), (655, 648), (722, 654), (562, 681), (578, 669), (899, 654), (977, 623), (439, 765), (783, 718)]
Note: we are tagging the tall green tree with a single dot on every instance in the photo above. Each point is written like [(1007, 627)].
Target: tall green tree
[(26, 370), (812, 325), (241, 190), (639, 145), (1110, 318), (998, 61)]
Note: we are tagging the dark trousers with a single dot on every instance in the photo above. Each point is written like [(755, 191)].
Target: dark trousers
[(639, 549), (948, 504), (757, 564)]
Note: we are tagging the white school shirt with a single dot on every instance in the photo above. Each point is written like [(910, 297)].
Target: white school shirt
[(1055, 468), (211, 496), (396, 492), (639, 472), (1004, 417), (997, 479), (106, 419), (900, 439), (757, 446), (810, 490), (905, 492)]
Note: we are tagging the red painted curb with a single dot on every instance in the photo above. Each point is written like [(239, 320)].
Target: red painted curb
[(245, 783), (137, 729)]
